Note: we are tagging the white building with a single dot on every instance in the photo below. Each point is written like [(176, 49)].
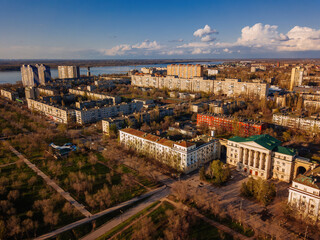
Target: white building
[(292, 121), (212, 72), (261, 156), (183, 156), (304, 193)]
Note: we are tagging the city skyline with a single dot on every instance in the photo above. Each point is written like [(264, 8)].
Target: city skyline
[(140, 29)]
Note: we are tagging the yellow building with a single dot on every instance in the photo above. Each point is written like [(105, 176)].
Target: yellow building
[(296, 77), (185, 70)]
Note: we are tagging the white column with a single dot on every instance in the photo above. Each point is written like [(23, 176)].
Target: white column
[(250, 157), (255, 159), (260, 162)]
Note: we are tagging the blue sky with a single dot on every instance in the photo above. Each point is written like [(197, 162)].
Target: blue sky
[(113, 29)]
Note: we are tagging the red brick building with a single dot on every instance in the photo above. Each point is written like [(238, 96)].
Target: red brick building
[(230, 124)]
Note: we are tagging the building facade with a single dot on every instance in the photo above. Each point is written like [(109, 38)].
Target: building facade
[(230, 124), (261, 156), (183, 156), (29, 76), (56, 113), (296, 77), (304, 194), (229, 87), (11, 95), (65, 72), (185, 70), (44, 74), (292, 121), (95, 96)]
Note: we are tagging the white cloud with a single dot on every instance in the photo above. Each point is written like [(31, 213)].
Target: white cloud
[(143, 48), (227, 50), (207, 38), (301, 39), (204, 31)]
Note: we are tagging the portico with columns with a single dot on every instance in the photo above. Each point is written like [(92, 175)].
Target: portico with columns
[(255, 155)]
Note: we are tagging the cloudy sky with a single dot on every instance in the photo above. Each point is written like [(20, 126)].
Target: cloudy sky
[(118, 29)]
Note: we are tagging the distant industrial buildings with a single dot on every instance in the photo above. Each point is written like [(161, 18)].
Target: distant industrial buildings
[(183, 156), (65, 72)]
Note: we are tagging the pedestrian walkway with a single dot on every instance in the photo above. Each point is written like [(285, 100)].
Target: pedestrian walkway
[(63, 193), (8, 164), (100, 214)]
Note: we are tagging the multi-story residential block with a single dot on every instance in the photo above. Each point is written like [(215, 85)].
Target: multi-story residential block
[(132, 119), (293, 121), (65, 72), (261, 156), (183, 156), (304, 194), (185, 70), (8, 94), (230, 124), (296, 77), (29, 76), (44, 74), (98, 113), (56, 113), (95, 96), (212, 72), (235, 88), (229, 87), (195, 84), (35, 75)]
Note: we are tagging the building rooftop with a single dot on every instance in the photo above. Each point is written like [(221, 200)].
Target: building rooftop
[(185, 144), (267, 142)]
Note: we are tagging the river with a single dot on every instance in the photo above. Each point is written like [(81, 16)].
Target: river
[(14, 76)]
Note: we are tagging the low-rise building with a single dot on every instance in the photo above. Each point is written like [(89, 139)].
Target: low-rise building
[(304, 194), (8, 94), (95, 96), (261, 156), (56, 113), (230, 124), (293, 121), (183, 156)]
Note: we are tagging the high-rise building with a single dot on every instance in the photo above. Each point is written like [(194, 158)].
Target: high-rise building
[(296, 77), (68, 72), (29, 75), (185, 70), (44, 74)]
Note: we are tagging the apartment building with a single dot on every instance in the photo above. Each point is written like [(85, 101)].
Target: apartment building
[(183, 156), (230, 124), (133, 119), (261, 156), (228, 87), (8, 94), (296, 77), (304, 194), (95, 96), (29, 75), (195, 84), (293, 121), (56, 113), (95, 114), (35, 75), (185, 70), (235, 88), (65, 72)]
